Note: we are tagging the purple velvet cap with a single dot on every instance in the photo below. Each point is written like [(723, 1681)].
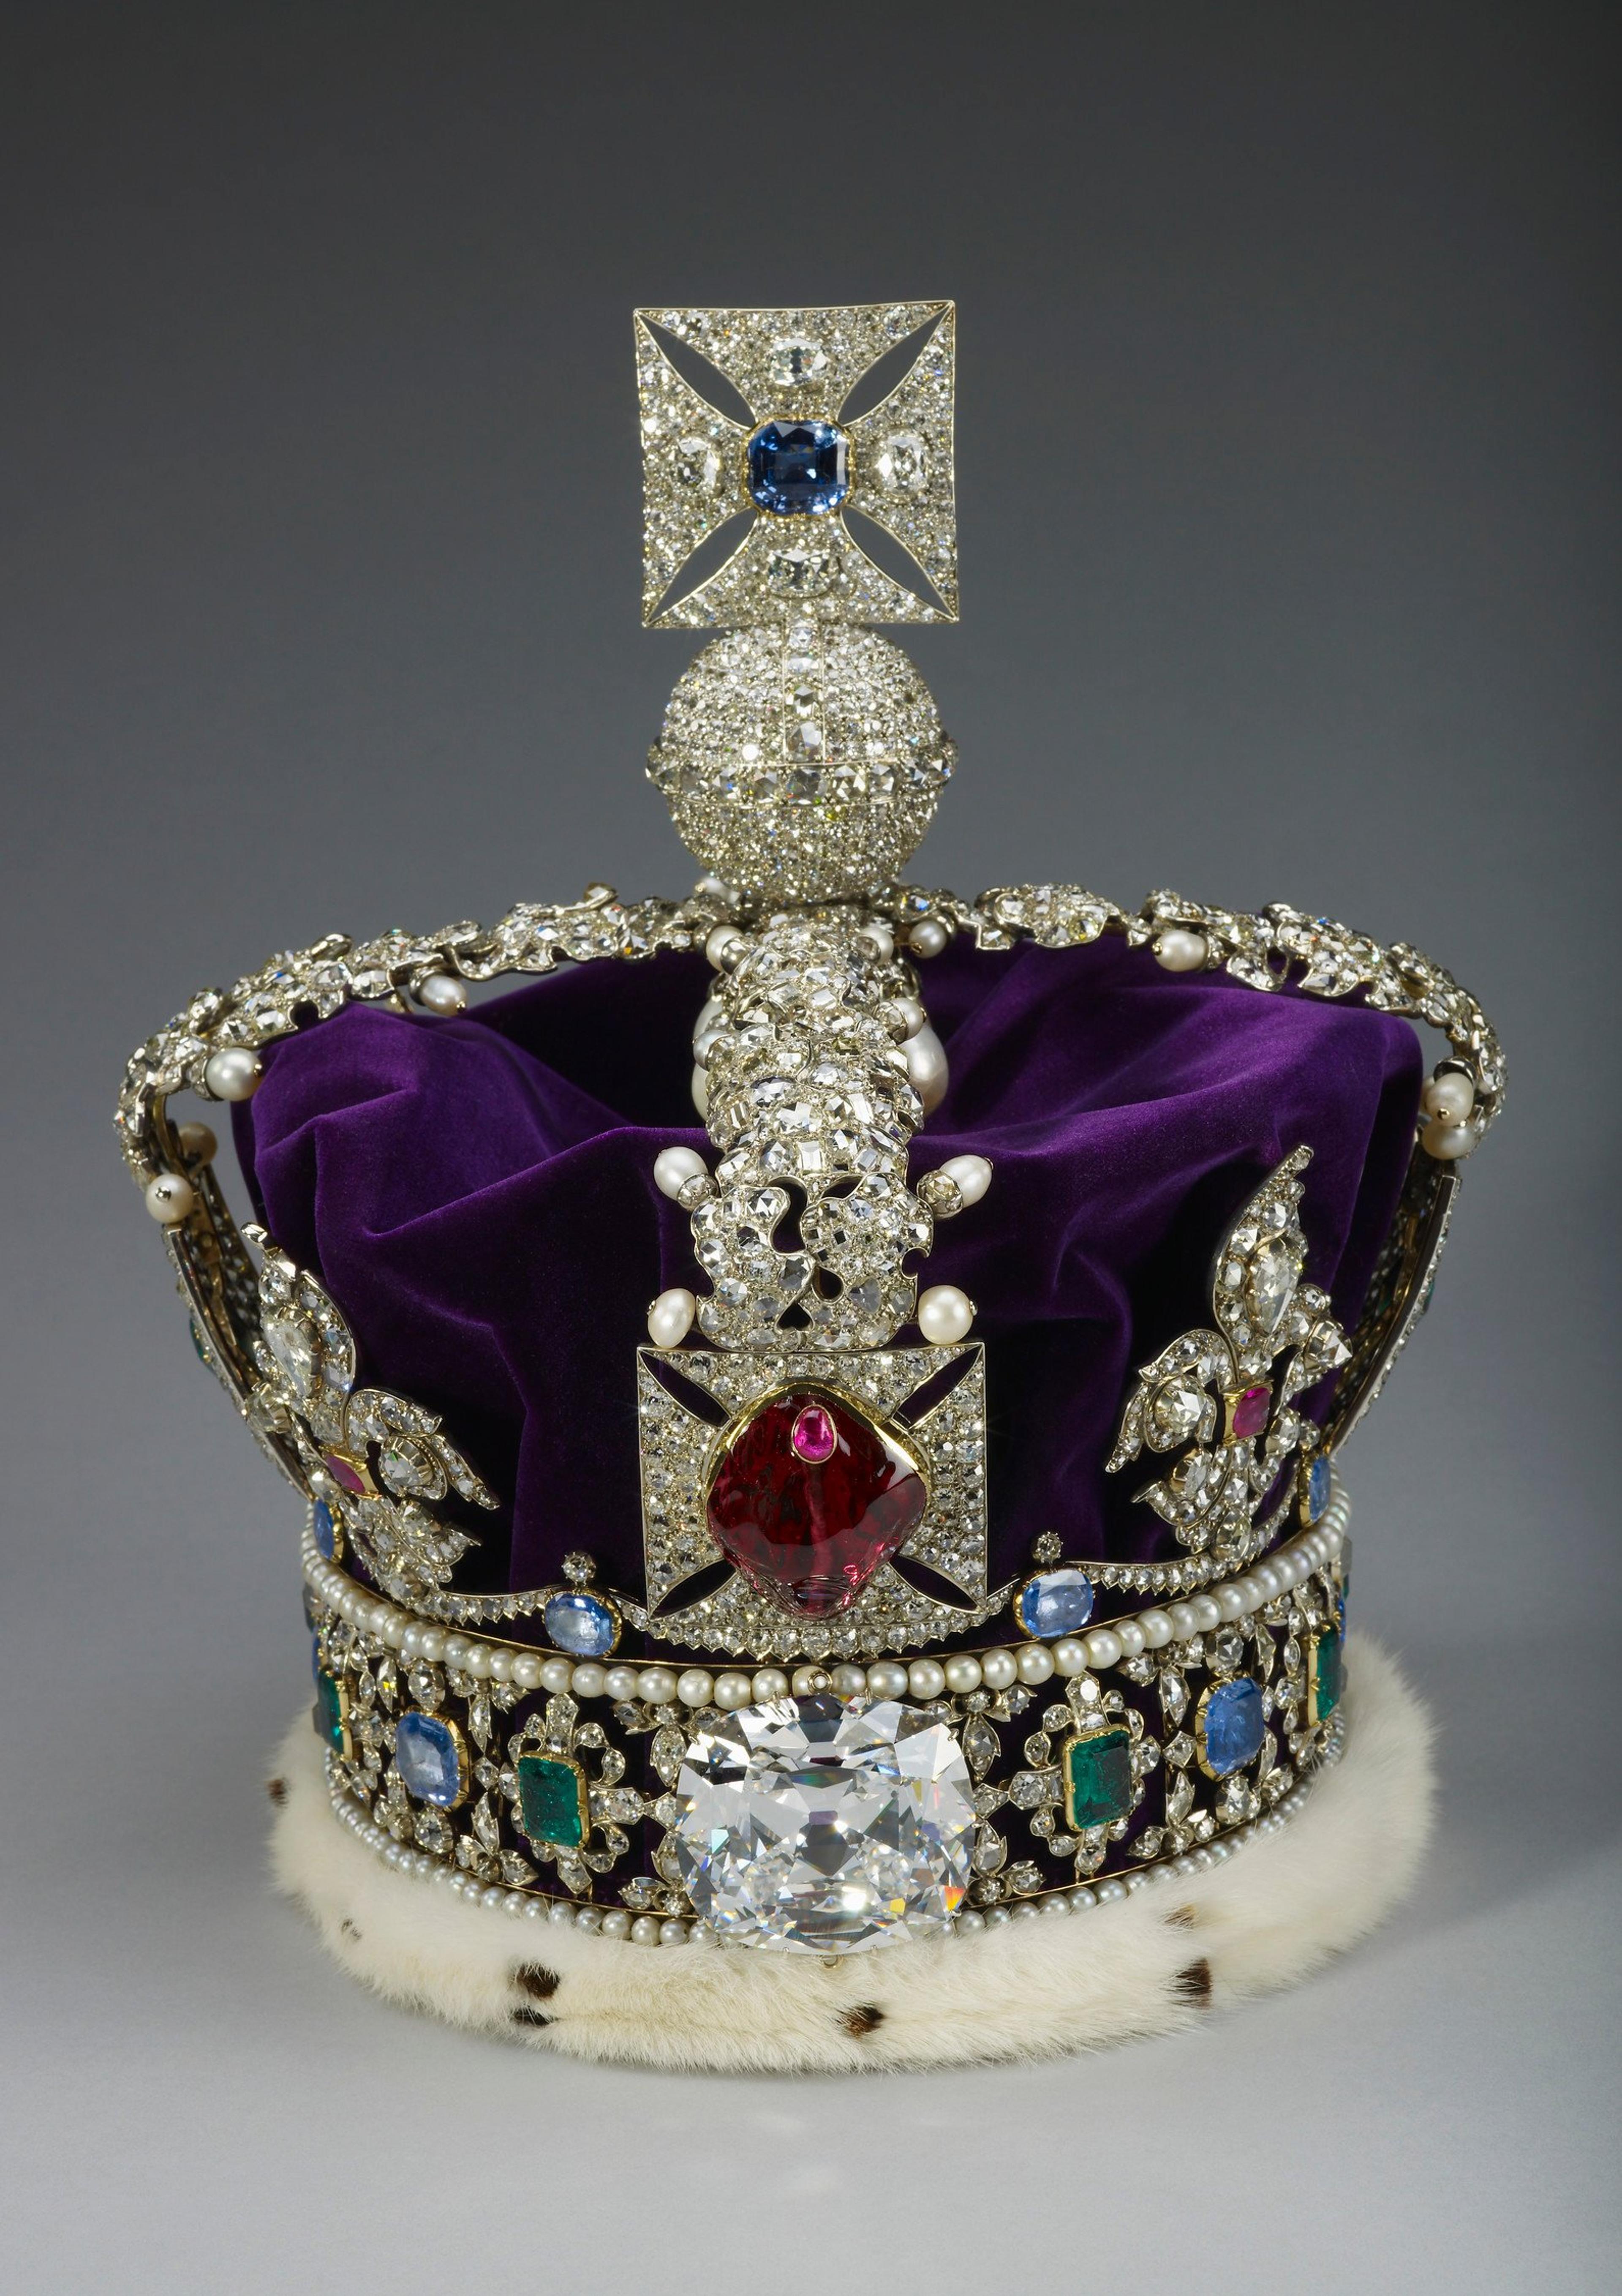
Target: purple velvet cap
[(476, 1194)]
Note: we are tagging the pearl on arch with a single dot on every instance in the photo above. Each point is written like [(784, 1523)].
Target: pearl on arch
[(1179, 950), (169, 1198), (670, 1317), (673, 1168), (1450, 1094), (1448, 1142), (233, 1073), (945, 1315), (441, 993), (928, 936), (926, 1067), (970, 1176)]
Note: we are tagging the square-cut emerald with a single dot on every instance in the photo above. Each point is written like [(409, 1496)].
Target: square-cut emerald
[(1323, 1674), (1098, 1776), (332, 1714), (551, 1804)]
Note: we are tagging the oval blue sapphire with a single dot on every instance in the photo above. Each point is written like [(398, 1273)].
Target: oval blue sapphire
[(1055, 1602), (583, 1625), (429, 1760), (1232, 1725), (326, 1533), (799, 466)]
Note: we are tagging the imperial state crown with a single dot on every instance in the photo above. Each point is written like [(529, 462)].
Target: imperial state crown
[(918, 1634)]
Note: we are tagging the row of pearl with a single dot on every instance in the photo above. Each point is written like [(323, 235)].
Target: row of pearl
[(922, 1678), (648, 1929)]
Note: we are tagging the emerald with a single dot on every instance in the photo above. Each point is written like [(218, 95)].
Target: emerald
[(1098, 1776), (332, 1714), (1323, 1674), (552, 1805)]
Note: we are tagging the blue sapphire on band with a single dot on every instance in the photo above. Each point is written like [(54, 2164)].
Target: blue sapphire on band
[(1055, 1602), (428, 1757), (1232, 1725), (799, 466), (583, 1624)]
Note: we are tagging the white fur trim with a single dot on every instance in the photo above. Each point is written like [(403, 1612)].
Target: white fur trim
[(1274, 1911)]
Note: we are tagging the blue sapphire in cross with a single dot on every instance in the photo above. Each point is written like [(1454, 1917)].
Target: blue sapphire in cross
[(799, 466)]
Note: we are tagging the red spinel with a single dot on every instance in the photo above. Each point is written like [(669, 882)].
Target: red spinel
[(344, 1473), (1251, 1412), (810, 1498)]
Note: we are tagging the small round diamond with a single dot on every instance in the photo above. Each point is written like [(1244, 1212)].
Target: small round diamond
[(814, 1827)]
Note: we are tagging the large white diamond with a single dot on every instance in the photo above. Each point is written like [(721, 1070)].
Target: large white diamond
[(819, 1827)]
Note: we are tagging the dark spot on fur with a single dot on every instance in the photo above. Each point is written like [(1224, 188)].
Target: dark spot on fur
[(276, 1788), (538, 1982), (861, 2021), (346, 1927), (530, 2017), (1183, 1918), (1194, 1983)]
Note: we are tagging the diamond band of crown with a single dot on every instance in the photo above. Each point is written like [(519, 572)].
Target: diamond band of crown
[(816, 1529)]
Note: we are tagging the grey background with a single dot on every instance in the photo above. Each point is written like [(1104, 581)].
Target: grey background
[(1289, 491)]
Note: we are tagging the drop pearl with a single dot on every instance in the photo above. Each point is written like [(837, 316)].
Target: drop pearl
[(970, 1176), (927, 1071), (670, 1317), (1448, 1142), (169, 1198), (233, 1073), (442, 993), (928, 937), (673, 1168), (1449, 1094), (1179, 950)]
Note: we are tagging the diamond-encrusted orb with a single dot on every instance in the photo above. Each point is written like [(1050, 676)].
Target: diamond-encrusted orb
[(1054, 1602), (808, 1497), (799, 466), (801, 760), (428, 1758), (813, 1827)]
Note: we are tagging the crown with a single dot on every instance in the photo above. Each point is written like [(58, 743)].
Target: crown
[(959, 1539)]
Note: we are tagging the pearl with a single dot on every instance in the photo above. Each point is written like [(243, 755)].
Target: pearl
[(670, 1317), (233, 1073), (1448, 1094), (620, 1684), (926, 1678), (557, 1911), (645, 1929), (455, 1649), (617, 1924), (808, 1681), (1069, 1657), (1180, 950), (588, 1918), (673, 1932), (432, 1644), (502, 1663), (880, 938), (527, 1671), (1268, 1581), (1130, 1636), (557, 1674), (704, 1045), (998, 1670), (969, 1923), (198, 1143), (1104, 1648), (723, 946), (926, 1068), (411, 1641), (587, 1680), (903, 1016), (1157, 1629), (442, 993), (945, 1315), (478, 1661), (1448, 1142), (970, 1176), (1056, 1904), (656, 1684), (962, 1673), (771, 1682), (695, 1687), (1034, 1662), (928, 936), (701, 1091), (169, 1198), (1206, 1613), (1230, 1602), (848, 1681), (711, 1017), (673, 1168), (887, 1678), (1185, 1620)]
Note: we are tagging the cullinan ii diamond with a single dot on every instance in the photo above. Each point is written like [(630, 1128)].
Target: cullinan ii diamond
[(814, 1827)]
